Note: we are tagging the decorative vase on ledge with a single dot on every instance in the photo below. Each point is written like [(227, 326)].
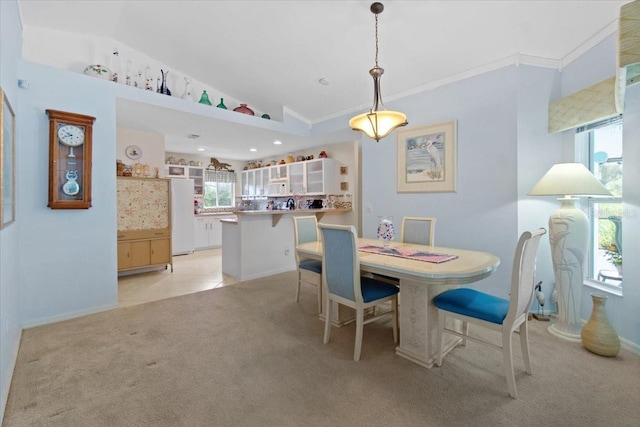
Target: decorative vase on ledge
[(221, 105), (244, 110), (598, 336)]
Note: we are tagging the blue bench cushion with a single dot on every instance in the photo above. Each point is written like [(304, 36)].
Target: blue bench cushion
[(312, 265), (472, 303), (373, 289)]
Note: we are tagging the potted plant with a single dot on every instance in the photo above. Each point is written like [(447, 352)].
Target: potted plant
[(613, 256)]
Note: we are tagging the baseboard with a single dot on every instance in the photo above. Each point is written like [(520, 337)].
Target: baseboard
[(4, 396), (67, 316)]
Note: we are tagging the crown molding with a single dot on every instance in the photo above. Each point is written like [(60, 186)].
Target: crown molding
[(610, 29)]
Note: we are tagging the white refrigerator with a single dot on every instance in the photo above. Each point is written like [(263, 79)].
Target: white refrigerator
[(182, 221)]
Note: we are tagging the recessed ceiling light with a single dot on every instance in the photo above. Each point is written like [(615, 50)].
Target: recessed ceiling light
[(323, 81), (253, 149), (277, 142), (193, 136), (200, 149)]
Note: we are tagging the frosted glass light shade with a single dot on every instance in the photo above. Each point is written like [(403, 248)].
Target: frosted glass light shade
[(378, 124), (569, 179)]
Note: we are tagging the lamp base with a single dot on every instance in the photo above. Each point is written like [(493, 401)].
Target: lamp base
[(554, 330)]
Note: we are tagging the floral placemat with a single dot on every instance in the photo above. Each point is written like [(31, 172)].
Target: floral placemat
[(408, 253)]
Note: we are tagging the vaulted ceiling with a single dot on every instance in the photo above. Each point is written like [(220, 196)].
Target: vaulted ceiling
[(272, 54)]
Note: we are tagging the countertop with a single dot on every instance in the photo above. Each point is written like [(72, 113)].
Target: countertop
[(276, 214), (213, 214)]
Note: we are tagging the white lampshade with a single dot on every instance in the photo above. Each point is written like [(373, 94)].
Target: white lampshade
[(569, 179)]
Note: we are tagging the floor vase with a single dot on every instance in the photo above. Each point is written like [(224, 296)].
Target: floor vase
[(598, 336)]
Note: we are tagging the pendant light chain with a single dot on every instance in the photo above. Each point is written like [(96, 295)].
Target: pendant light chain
[(376, 40)]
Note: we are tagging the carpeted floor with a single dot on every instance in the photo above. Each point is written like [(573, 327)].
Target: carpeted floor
[(248, 355)]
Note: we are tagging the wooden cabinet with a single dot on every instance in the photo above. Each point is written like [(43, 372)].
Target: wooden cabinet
[(144, 223), (143, 253)]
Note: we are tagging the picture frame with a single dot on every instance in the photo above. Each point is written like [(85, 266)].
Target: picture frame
[(427, 158), (7, 162)]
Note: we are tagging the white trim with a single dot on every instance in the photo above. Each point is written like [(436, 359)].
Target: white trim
[(612, 28), (68, 316), (604, 287), (289, 112)]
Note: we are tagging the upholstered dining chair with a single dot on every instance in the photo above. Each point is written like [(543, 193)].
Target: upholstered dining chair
[(415, 229), (498, 314), (343, 284), (305, 229), (420, 230)]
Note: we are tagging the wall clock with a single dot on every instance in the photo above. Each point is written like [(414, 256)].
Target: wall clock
[(133, 152), (70, 141)]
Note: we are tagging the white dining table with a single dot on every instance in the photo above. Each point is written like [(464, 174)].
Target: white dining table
[(420, 281)]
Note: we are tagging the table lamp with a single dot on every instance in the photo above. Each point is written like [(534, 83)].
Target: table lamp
[(569, 239)]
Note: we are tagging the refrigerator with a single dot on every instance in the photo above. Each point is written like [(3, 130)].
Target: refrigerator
[(182, 220)]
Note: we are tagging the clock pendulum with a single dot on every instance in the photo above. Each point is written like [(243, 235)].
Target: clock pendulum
[(71, 187)]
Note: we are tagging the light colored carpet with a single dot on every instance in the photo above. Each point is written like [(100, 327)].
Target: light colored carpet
[(248, 355)]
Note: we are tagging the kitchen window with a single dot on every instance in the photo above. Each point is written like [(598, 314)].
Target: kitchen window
[(219, 189)]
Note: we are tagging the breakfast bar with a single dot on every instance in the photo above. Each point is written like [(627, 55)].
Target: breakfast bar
[(260, 243)]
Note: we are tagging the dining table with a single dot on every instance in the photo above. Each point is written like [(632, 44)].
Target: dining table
[(423, 272)]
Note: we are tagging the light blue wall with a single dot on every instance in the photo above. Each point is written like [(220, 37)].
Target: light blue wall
[(10, 326), (482, 214), (68, 261)]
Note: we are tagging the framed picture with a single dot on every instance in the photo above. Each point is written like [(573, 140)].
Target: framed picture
[(7, 162), (427, 158)]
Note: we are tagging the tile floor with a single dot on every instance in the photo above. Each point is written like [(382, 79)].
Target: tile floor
[(199, 271)]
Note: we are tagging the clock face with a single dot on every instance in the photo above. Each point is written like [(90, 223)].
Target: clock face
[(71, 135)]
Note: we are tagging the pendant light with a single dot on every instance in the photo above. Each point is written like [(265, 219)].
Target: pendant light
[(377, 124)]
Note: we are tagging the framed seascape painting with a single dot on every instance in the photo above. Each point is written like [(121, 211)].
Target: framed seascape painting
[(427, 158), (7, 162)]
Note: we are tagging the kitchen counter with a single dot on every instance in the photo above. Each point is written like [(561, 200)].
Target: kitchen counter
[(278, 213), (213, 214)]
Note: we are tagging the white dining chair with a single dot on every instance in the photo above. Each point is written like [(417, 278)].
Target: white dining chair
[(498, 314), (305, 229), (343, 284)]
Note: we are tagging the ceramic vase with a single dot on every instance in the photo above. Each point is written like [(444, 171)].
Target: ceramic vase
[(385, 231), (598, 336), (244, 109), (221, 105), (99, 71)]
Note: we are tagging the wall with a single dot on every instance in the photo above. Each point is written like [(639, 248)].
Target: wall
[(151, 144), (67, 258), (10, 326), (482, 214)]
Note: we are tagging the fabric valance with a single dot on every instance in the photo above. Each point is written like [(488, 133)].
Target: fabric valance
[(605, 99), (219, 176), (583, 107)]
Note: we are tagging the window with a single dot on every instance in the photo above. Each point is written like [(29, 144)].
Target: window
[(219, 189), (605, 161)]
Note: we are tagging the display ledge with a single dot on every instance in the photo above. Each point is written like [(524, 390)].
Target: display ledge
[(277, 214)]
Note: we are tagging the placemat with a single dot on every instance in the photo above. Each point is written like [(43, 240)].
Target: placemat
[(408, 253)]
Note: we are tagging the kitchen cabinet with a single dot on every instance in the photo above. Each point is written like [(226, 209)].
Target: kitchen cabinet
[(208, 231), (314, 177), (255, 183), (197, 175), (278, 172), (144, 223)]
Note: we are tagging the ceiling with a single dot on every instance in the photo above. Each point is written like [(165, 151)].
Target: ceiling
[(272, 54)]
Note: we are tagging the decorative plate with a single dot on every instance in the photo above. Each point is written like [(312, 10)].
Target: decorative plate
[(133, 152)]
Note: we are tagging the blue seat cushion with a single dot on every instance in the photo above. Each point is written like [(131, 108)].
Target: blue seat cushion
[(311, 265), (472, 303), (374, 289)]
